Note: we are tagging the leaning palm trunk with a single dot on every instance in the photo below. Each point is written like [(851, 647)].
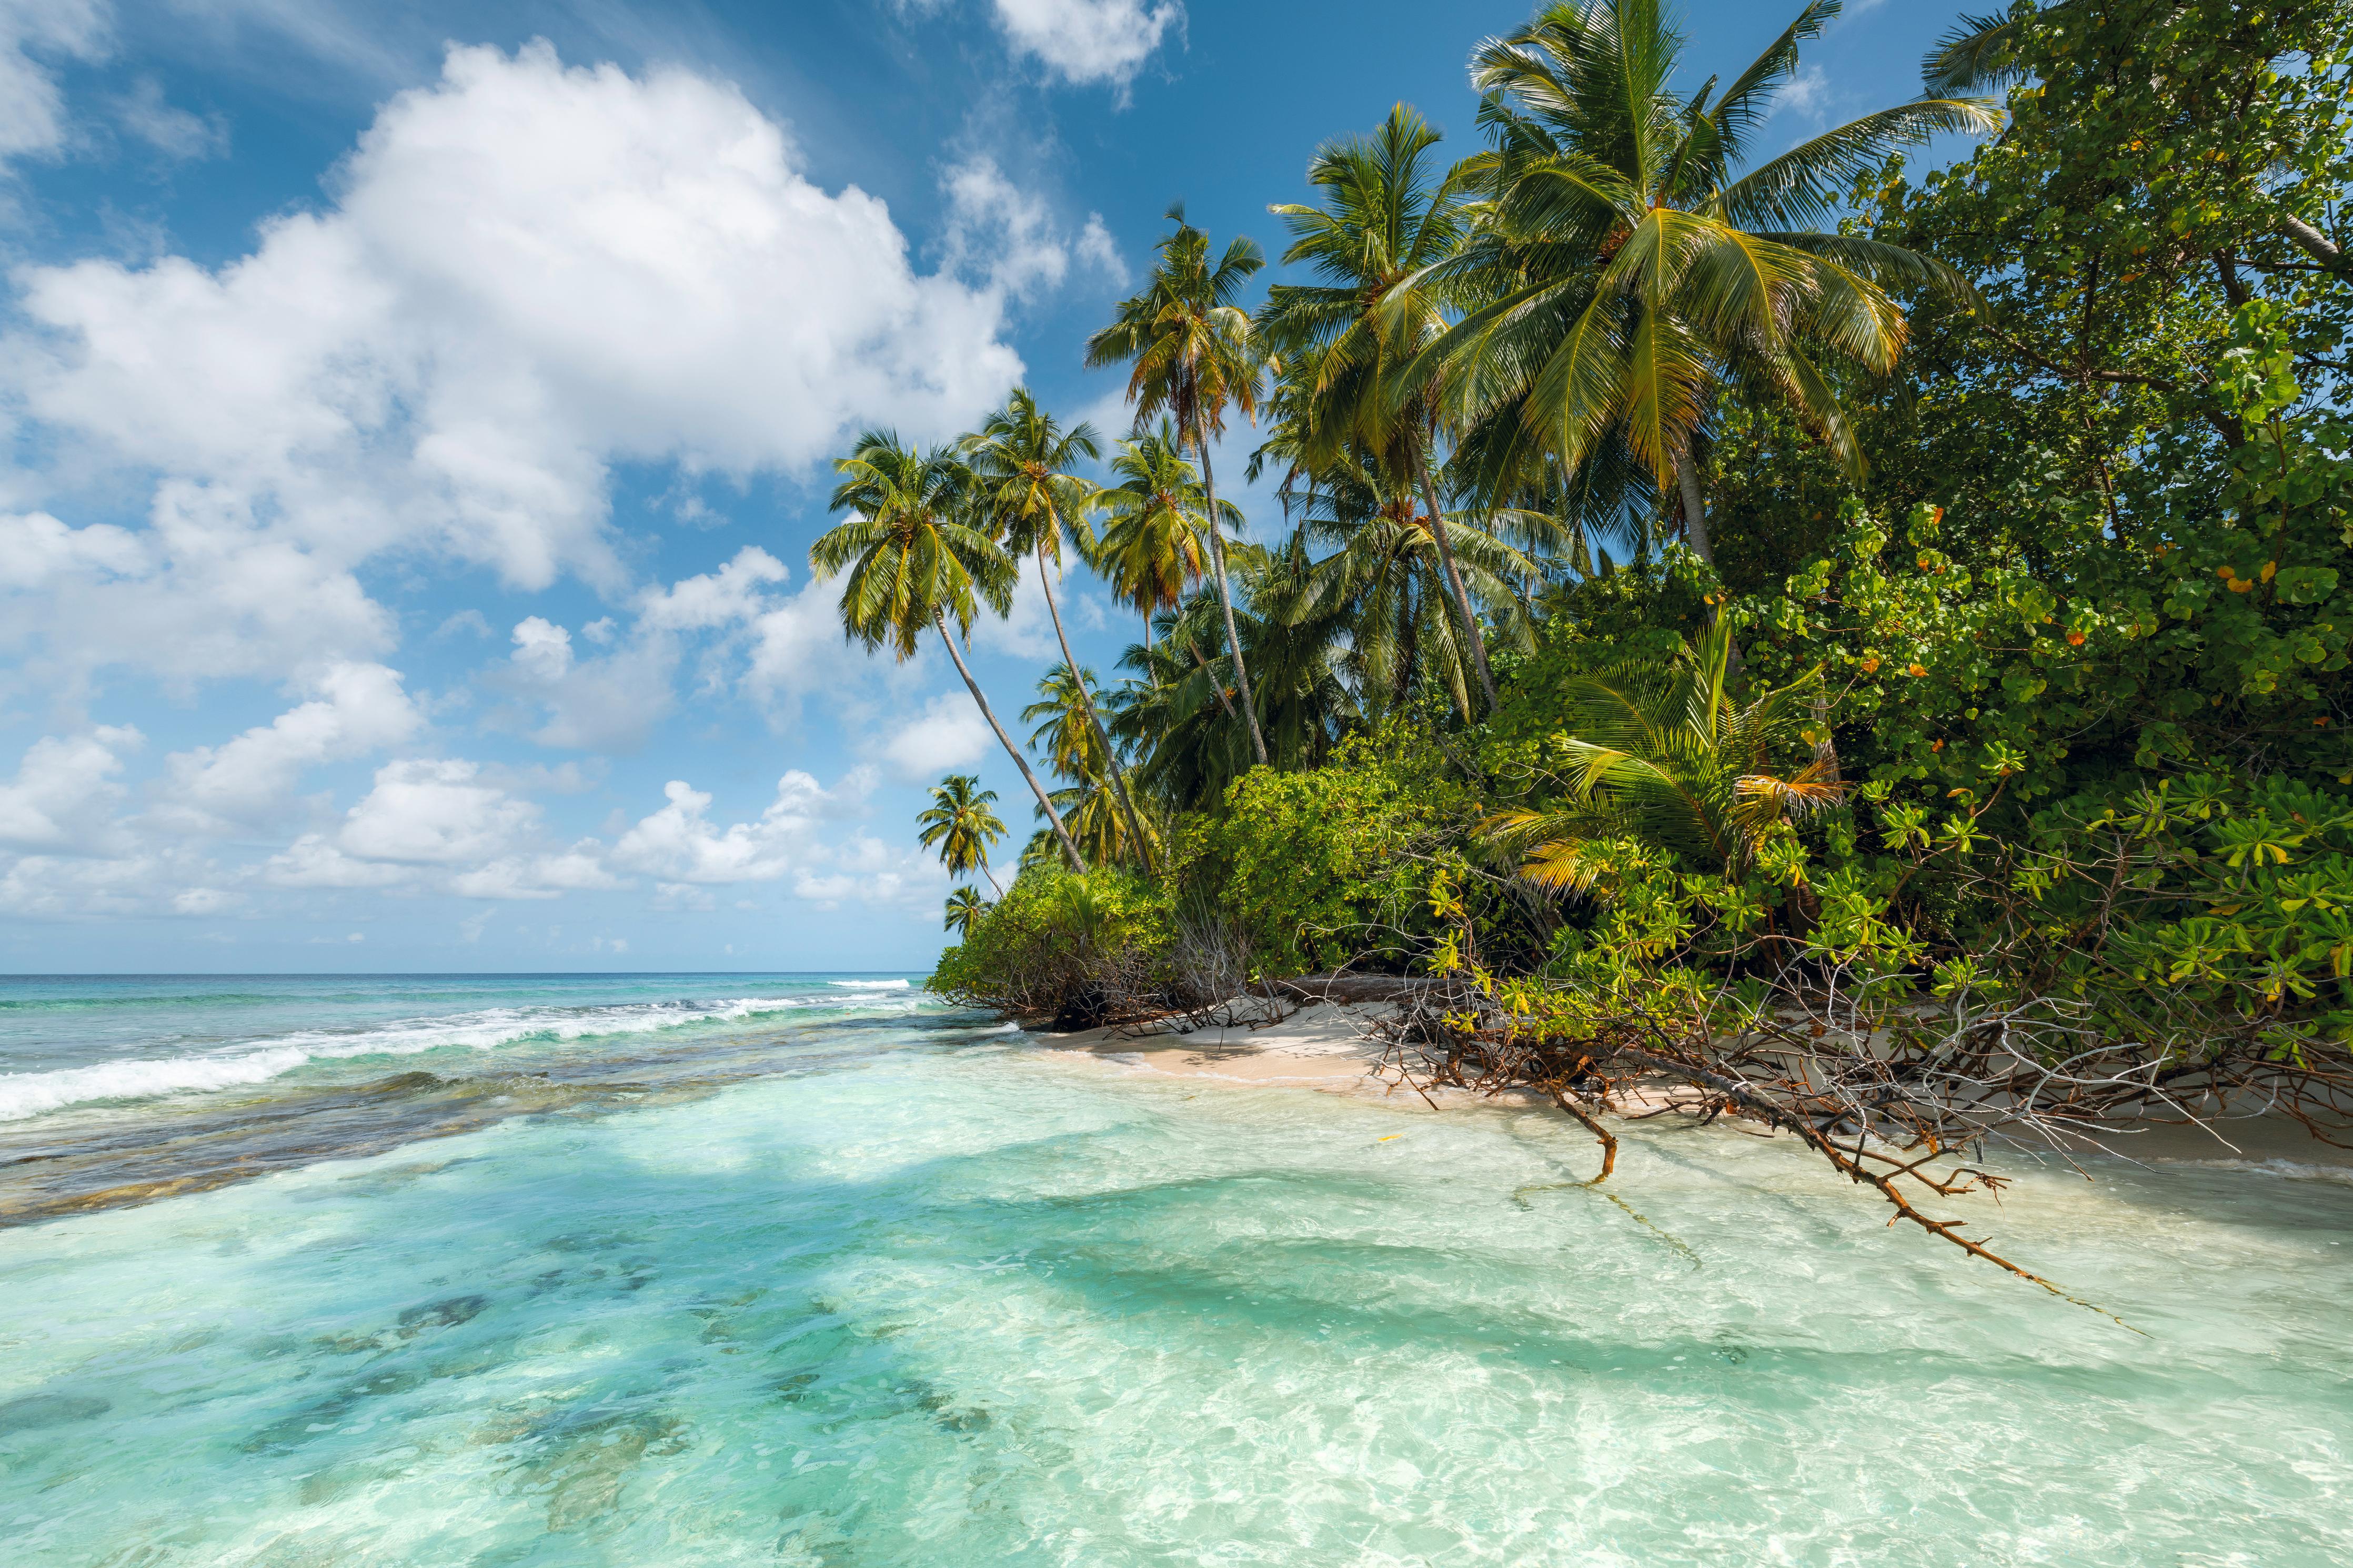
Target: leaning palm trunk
[(1225, 593), (1070, 845), (1216, 686), (1094, 720), (1454, 578)]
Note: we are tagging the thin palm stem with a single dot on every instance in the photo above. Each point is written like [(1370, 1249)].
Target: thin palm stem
[(1094, 720), (1225, 593), (1694, 508), (1453, 578), (1070, 845)]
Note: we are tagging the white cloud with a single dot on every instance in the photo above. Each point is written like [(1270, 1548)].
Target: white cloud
[(360, 709), (1096, 247), (609, 702), (681, 846), (1089, 40), (950, 734), (798, 649), (32, 109), (174, 132), (678, 844), (36, 551), (1027, 630), (997, 231), (578, 869), (530, 273), (714, 599), (436, 813), (314, 861), (63, 796)]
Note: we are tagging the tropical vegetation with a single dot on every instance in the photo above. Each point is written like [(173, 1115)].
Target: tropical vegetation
[(1869, 646)]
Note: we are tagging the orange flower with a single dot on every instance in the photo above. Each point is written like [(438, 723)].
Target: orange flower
[(2224, 573), (1937, 747), (1914, 669), (1870, 667), (2074, 639)]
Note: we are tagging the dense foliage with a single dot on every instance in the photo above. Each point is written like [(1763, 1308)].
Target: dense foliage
[(1938, 585)]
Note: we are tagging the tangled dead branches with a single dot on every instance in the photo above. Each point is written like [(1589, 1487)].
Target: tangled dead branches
[(1900, 1092)]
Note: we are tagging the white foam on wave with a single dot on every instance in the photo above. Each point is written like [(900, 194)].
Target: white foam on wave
[(869, 984), (24, 1094), (2290, 1169)]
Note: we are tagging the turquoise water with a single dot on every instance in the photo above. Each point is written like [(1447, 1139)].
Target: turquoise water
[(851, 1279)]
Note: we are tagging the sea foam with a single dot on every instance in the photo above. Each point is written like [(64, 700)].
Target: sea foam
[(27, 1094)]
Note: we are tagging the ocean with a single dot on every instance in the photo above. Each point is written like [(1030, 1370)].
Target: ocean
[(815, 1269)]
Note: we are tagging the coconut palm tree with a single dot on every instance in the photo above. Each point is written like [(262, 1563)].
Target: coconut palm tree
[(1384, 575), (1023, 460), (961, 826), (1637, 272), (1388, 216), (915, 556), (1192, 355), (1156, 536), (963, 905), (1075, 748), (1660, 753)]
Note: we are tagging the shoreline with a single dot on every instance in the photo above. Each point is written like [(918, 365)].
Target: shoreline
[(1323, 1047)]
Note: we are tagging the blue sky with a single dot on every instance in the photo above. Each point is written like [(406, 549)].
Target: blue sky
[(416, 421)]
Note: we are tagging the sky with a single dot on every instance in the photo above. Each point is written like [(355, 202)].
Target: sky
[(416, 417)]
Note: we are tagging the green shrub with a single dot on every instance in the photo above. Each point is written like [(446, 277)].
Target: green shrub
[(1322, 868), (1080, 950)]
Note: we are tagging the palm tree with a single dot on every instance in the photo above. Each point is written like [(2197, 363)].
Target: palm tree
[(963, 906), (914, 557), (1385, 577), (1387, 219), (1156, 536), (1660, 753), (1022, 459), (1640, 272), (1193, 356), (960, 824), (1077, 753)]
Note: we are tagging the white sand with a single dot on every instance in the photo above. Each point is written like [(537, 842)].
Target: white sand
[(1327, 1046)]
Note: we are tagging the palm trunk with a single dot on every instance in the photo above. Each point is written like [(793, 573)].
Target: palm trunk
[(993, 881), (1217, 685), (1118, 774), (1070, 845), (1225, 593), (1696, 530), (1453, 578), (1694, 509)]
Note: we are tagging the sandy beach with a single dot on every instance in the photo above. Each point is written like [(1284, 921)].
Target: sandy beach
[(1327, 1046)]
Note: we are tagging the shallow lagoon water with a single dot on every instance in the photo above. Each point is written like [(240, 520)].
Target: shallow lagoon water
[(922, 1294)]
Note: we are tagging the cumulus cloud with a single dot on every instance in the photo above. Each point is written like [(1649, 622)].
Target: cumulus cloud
[(678, 843), (1009, 235), (34, 33), (442, 824), (949, 733), (608, 702), (686, 852), (531, 272), (64, 796), (1089, 40), (434, 813), (361, 709)]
